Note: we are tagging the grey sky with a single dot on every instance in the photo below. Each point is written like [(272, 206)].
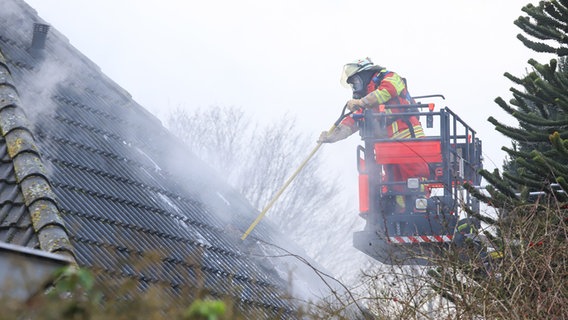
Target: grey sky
[(271, 57)]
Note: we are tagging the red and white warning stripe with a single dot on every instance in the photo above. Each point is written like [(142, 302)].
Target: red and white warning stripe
[(420, 239)]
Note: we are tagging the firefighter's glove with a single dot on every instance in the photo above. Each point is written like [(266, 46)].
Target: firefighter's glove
[(366, 102), (339, 133), (354, 104)]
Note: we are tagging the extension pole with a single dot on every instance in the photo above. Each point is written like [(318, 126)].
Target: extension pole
[(279, 193)]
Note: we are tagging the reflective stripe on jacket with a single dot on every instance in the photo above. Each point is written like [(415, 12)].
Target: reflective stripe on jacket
[(391, 89)]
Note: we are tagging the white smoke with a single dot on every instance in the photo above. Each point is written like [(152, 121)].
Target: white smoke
[(59, 67)]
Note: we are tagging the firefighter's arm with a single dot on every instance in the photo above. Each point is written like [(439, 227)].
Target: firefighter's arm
[(368, 101), (390, 87)]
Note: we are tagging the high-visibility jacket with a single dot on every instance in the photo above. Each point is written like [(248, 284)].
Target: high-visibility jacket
[(390, 88)]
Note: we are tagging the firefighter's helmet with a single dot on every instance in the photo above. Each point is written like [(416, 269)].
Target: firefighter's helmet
[(352, 68)]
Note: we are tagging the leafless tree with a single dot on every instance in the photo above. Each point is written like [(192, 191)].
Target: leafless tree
[(257, 158)]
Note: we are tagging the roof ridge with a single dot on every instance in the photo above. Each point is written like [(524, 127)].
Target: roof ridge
[(30, 171)]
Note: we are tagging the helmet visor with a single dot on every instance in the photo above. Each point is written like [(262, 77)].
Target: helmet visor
[(348, 70), (354, 67)]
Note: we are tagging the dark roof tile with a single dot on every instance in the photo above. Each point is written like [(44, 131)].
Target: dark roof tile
[(25, 237), (14, 215), (10, 194)]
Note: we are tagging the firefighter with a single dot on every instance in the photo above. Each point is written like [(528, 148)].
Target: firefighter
[(373, 85)]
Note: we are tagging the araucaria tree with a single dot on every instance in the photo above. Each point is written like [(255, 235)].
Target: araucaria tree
[(538, 159), (527, 274)]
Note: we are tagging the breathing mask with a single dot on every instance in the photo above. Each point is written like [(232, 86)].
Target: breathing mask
[(357, 86)]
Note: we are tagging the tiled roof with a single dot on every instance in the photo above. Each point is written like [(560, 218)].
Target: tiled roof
[(86, 171), (15, 224)]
